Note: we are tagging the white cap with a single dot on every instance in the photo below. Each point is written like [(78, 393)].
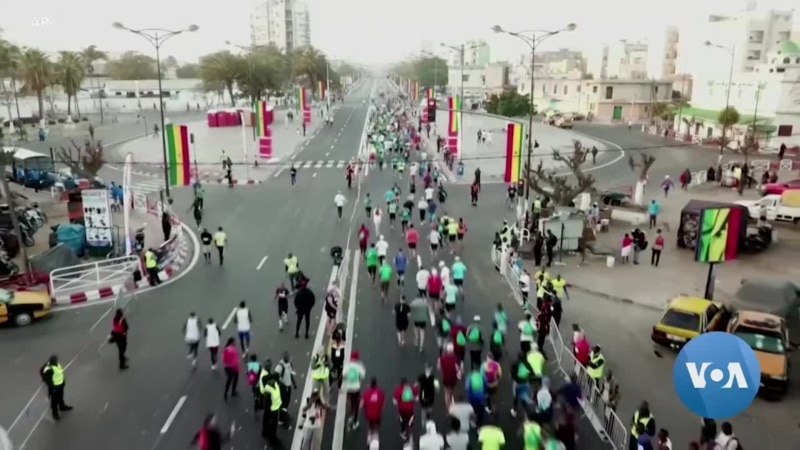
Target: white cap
[(457, 258), (476, 318), (381, 238), (441, 263)]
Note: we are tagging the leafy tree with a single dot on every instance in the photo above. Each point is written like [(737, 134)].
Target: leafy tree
[(85, 161), (133, 66), (690, 122), (188, 71), (347, 70), (7, 160), (221, 70), (70, 72), (35, 72), (9, 65), (170, 63), (560, 189), (264, 71), (428, 71), (728, 117), (309, 66), (509, 103)]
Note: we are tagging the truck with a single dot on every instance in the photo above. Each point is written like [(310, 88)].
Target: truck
[(774, 207)]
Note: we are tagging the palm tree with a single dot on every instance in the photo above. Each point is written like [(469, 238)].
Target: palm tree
[(70, 71), (90, 55), (6, 160), (9, 65), (307, 62), (35, 73), (222, 68)]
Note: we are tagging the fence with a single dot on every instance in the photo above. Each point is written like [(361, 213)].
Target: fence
[(86, 277), (604, 420)]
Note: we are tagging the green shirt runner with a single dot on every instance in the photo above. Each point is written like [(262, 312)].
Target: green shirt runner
[(386, 272), (372, 257)]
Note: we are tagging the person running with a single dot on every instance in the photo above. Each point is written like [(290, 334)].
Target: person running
[(511, 195), (243, 319), (459, 272), (353, 375), (211, 334), (197, 212), (293, 174), (419, 314), (422, 206), (368, 205), (492, 372), (435, 239), (434, 288), (282, 297), (371, 258), (405, 218), (377, 217), (383, 248), (405, 395), (527, 332), (452, 234), (372, 400), (332, 305), (220, 239), (450, 368), (428, 385), (230, 362), (401, 312), (337, 354), (521, 375), (442, 328), (191, 334), (450, 297), (363, 238), (252, 371), (385, 274), (392, 208), (412, 238), (292, 267), (422, 282), (444, 273), (339, 200), (390, 196), (206, 238)]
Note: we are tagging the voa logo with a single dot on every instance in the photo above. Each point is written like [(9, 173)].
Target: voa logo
[(716, 375)]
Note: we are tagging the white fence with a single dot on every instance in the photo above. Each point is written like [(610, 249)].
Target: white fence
[(604, 420), (86, 277)]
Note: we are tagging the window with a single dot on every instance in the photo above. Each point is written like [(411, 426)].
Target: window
[(594, 89), (609, 92), (565, 90), (579, 89), (786, 60), (797, 60), (555, 89), (780, 70), (465, 78), (655, 89)]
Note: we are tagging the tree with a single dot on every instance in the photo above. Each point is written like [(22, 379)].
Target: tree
[(347, 70), (7, 160), (728, 117), (663, 111), (9, 66), (645, 162), (35, 73), (309, 66), (689, 122), (222, 69), (133, 66), (84, 162), (188, 71), (70, 71), (429, 71), (170, 63), (562, 190), (264, 71), (509, 103)]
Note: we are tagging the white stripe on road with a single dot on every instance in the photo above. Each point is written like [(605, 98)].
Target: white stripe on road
[(261, 264), (229, 319), (173, 415), (341, 402)]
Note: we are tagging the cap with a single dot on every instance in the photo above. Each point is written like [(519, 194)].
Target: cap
[(476, 318), (354, 355)]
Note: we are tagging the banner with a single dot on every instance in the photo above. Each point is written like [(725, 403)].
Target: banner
[(453, 105), (415, 91), (514, 138), (300, 98), (322, 89), (97, 217), (177, 137), (429, 93), (263, 117), (718, 235), (408, 86)]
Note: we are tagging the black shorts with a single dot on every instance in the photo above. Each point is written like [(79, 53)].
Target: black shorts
[(422, 292), (420, 325), (434, 296), (449, 307), (451, 237), (434, 246), (401, 325), (426, 402), (384, 286), (404, 219), (283, 306), (392, 216), (372, 270), (460, 236), (412, 245), (331, 313), (458, 282)]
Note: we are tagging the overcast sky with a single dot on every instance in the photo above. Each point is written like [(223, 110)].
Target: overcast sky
[(366, 31)]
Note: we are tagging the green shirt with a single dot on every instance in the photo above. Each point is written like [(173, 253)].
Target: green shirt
[(372, 257), (386, 272), (392, 208), (405, 215), (368, 202)]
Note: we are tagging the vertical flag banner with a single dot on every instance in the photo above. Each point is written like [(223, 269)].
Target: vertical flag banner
[(415, 92), (300, 98), (262, 122), (454, 105), (321, 89), (718, 235), (178, 154), (514, 138), (429, 93), (408, 86)]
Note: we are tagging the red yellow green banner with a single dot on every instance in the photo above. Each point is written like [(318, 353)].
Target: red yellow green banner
[(428, 93), (415, 91), (178, 154), (261, 124), (454, 105), (322, 89), (719, 234), (300, 98), (514, 138)]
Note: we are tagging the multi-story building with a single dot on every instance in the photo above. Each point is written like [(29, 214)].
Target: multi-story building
[(479, 81), (476, 53), (662, 54), (623, 60), (284, 23)]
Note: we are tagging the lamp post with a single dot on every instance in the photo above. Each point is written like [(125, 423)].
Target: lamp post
[(461, 50), (532, 38), (156, 37), (250, 54), (732, 52)]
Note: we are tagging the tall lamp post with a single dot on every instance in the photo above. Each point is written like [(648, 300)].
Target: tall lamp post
[(732, 52), (435, 68), (532, 38), (156, 37), (461, 50), (250, 50)]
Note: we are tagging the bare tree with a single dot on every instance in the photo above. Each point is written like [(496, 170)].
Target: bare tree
[(643, 166), (6, 160), (85, 161), (562, 190)]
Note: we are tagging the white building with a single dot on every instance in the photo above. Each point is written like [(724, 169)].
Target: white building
[(284, 23), (662, 54), (623, 59), (476, 53), (479, 82), (770, 93)]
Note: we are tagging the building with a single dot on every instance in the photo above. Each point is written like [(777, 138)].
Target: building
[(557, 62), (662, 54), (476, 53), (479, 82), (743, 40), (768, 96), (284, 23)]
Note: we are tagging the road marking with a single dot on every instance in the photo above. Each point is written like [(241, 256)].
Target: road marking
[(229, 319), (173, 414), (341, 402), (314, 175), (327, 153), (333, 145), (261, 264)]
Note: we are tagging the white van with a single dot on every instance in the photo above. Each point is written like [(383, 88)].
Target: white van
[(781, 208)]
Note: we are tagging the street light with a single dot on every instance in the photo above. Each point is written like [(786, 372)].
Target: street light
[(156, 37), (250, 49), (461, 50), (532, 38), (435, 68), (732, 52)]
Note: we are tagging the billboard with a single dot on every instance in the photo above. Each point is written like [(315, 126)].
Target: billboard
[(718, 235)]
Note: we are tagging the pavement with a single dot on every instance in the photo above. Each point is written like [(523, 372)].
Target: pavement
[(160, 401)]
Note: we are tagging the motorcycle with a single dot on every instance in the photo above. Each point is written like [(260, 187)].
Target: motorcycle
[(35, 216), (7, 266)]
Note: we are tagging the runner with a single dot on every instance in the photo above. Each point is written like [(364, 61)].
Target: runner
[(459, 271), (527, 332), (419, 313), (332, 305), (206, 238), (442, 328), (462, 231), (282, 296), (444, 273), (371, 258), (385, 272), (405, 218), (339, 200), (191, 334), (368, 205), (243, 319), (452, 234), (372, 400), (292, 268), (422, 206), (293, 174), (392, 208), (412, 237), (363, 239), (404, 399), (450, 369), (400, 264), (354, 373), (522, 375), (450, 297), (383, 248), (511, 195), (434, 289), (376, 220), (422, 282), (428, 385), (435, 239), (337, 354), (401, 313), (492, 372)]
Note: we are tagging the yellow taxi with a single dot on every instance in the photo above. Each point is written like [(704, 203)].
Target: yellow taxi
[(686, 318), (23, 307)]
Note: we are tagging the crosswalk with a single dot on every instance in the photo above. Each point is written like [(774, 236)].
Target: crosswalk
[(321, 164), (147, 186)]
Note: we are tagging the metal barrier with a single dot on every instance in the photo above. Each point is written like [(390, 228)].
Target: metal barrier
[(126, 294), (604, 420), (86, 277)]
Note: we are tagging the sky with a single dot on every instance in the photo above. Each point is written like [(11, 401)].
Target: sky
[(362, 31)]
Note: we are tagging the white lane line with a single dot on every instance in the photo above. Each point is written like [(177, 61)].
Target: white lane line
[(229, 319), (327, 153), (173, 415), (261, 264), (297, 436), (341, 403), (333, 145), (314, 175)]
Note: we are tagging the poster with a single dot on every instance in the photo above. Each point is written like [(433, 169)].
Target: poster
[(718, 235), (97, 217)]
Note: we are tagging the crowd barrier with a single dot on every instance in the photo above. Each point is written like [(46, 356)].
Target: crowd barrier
[(104, 279), (604, 420)]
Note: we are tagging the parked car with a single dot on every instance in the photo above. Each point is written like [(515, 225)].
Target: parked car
[(564, 122), (778, 188), (782, 208), (686, 318), (23, 307)]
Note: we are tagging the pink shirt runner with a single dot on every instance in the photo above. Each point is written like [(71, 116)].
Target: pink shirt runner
[(230, 357)]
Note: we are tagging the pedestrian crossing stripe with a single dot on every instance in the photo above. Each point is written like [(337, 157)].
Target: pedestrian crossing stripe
[(322, 164), (147, 186)]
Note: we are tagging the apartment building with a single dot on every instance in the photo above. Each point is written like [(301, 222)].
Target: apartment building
[(662, 54), (479, 81), (284, 23), (476, 53)]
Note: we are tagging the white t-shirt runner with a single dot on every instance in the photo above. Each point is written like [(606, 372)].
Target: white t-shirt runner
[(422, 279), (382, 247), (352, 376), (192, 334), (339, 200), (428, 194), (435, 237), (243, 320)]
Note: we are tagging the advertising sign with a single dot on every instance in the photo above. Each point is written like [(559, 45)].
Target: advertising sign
[(97, 217)]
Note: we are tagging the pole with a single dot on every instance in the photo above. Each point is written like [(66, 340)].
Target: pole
[(755, 110), (244, 148), (435, 74), (727, 101), (100, 95), (157, 45), (253, 96), (680, 109), (461, 108), (327, 85), (529, 156)]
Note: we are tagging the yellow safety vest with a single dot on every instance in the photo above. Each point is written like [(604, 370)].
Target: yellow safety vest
[(536, 361), (320, 373), (537, 206), (261, 385), (58, 374), (644, 421), (219, 239), (452, 228), (274, 393), (291, 264), (539, 273), (596, 373), (150, 260), (558, 285)]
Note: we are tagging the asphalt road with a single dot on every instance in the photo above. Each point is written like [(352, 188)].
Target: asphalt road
[(131, 409)]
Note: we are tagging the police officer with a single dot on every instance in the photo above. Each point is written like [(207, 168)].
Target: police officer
[(53, 377), (536, 208), (271, 393), (642, 417), (151, 265), (596, 364)]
